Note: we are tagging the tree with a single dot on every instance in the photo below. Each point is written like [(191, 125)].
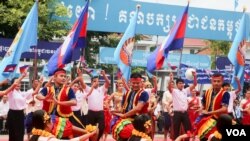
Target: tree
[(218, 48), (14, 12)]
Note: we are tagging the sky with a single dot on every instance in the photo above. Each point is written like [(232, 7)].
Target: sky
[(228, 5)]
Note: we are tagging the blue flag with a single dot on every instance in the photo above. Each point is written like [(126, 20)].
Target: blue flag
[(25, 38), (45, 72), (236, 54), (123, 52)]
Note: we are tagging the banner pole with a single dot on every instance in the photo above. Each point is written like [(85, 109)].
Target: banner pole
[(179, 69)]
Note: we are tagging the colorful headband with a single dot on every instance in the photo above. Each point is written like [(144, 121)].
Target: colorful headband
[(61, 71), (135, 79)]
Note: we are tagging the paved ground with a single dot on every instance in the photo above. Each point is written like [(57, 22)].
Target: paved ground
[(158, 137)]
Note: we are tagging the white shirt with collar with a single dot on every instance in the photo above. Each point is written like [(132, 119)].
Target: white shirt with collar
[(80, 96), (180, 99), (17, 99), (4, 108), (38, 104), (167, 99), (95, 99), (233, 96)]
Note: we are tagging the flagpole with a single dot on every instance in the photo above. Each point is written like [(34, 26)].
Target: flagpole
[(35, 56), (113, 78), (138, 6), (179, 69)]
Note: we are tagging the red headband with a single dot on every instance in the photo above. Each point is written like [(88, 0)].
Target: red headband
[(61, 71), (135, 79)]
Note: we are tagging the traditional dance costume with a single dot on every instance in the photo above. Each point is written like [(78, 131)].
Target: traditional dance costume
[(207, 124), (122, 129), (107, 115), (62, 127), (193, 106)]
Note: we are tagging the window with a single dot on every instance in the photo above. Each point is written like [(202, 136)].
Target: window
[(25, 86)]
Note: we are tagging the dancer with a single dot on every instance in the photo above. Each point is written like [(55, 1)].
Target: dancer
[(107, 116), (194, 104), (142, 127), (116, 97), (17, 105), (57, 101), (42, 128), (245, 108), (135, 101), (214, 103)]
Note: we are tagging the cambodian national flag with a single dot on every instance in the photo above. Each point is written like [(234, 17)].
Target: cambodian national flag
[(172, 67), (173, 41), (123, 52), (22, 69), (10, 68), (237, 51), (75, 39)]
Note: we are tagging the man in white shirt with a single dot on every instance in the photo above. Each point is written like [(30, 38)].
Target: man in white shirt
[(33, 104), (180, 104), (167, 102), (233, 95), (4, 108), (78, 119), (95, 102)]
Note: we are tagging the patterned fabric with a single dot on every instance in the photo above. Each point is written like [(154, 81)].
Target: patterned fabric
[(206, 127), (122, 129), (62, 127)]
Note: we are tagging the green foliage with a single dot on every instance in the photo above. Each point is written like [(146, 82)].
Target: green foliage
[(138, 70), (218, 48), (95, 41), (14, 12)]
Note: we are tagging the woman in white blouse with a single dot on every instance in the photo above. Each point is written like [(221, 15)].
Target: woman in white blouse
[(17, 104)]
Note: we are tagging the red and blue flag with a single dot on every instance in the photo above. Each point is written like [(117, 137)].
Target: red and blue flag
[(10, 68), (22, 69), (75, 39), (173, 41)]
